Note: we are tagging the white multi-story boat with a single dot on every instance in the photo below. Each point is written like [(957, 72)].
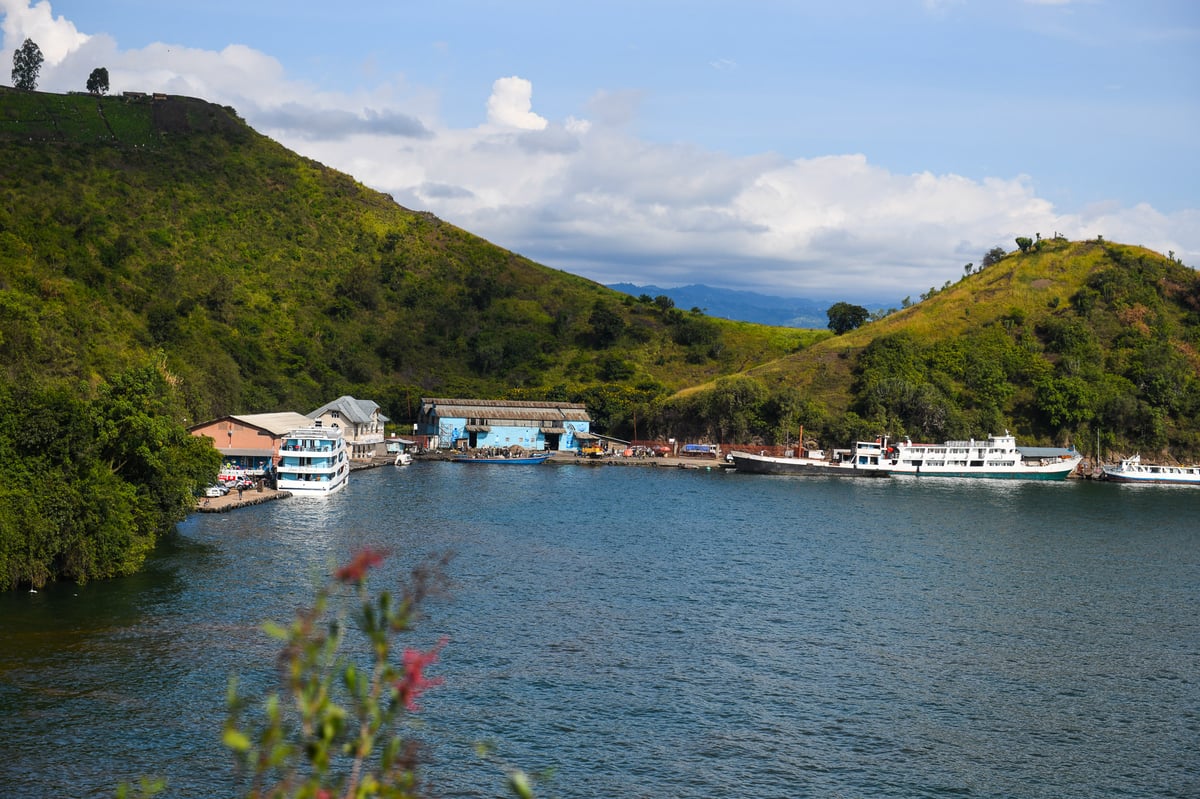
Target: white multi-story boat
[(1132, 470), (313, 460), (995, 456)]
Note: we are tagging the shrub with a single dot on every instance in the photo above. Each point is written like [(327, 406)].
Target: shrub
[(333, 729)]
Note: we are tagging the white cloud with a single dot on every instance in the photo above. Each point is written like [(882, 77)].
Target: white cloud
[(511, 103), (309, 123), (55, 37), (591, 197)]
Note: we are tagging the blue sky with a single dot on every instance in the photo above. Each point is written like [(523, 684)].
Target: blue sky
[(861, 150)]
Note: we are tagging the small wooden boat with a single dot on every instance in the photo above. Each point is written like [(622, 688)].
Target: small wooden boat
[(505, 460)]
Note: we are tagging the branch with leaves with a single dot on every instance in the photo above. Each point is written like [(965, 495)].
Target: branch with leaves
[(334, 729)]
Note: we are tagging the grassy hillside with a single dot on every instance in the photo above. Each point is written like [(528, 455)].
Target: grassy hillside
[(268, 281), (1034, 286), (162, 263), (169, 232), (1066, 342)]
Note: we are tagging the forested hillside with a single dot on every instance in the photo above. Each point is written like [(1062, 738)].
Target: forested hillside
[(271, 282), (161, 263), (1063, 342), (161, 251)]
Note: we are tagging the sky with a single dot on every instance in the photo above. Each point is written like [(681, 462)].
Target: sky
[(858, 150)]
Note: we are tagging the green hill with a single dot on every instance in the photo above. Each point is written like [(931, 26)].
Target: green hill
[(271, 282), (162, 263), (1066, 342)]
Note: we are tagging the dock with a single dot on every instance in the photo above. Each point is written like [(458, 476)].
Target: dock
[(232, 501)]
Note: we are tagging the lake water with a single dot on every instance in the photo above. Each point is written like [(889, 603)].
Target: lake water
[(667, 633)]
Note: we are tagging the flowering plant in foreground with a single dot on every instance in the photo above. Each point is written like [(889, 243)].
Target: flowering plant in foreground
[(333, 730)]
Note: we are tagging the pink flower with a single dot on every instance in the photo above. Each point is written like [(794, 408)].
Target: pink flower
[(414, 682), (363, 561)]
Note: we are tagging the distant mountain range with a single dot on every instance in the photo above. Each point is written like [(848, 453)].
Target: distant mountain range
[(745, 306)]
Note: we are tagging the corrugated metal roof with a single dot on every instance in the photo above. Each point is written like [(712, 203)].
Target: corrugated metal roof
[(500, 409), (356, 410), (276, 423)]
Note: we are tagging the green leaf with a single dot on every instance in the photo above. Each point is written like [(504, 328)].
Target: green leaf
[(275, 631), (236, 740), (518, 783)]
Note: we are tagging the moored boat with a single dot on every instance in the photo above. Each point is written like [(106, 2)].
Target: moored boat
[(313, 461), (1132, 470), (502, 459), (749, 463), (996, 457)]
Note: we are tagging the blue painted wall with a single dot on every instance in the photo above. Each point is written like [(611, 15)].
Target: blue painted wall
[(451, 429)]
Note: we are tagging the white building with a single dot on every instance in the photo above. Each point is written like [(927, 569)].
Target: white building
[(361, 424)]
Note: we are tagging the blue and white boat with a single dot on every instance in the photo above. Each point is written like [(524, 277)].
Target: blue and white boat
[(1132, 470), (505, 460), (313, 461)]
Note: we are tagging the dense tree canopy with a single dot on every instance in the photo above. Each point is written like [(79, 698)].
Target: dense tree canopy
[(993, 257), (27, 63), (94, 477), (97, 82), (844, 317)]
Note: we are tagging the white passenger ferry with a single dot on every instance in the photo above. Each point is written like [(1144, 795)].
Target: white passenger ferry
[(313, 461), (995, 456)]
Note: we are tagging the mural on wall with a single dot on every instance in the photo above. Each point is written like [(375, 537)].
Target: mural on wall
[(448, 432), (452, 432)]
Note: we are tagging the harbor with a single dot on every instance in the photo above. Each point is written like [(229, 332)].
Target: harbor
[(739, 461), (709, 634)]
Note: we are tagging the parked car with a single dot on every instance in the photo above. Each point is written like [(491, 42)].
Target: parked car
[(216, 490)]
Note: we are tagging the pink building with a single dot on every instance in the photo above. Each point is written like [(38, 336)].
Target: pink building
[(249, 444)]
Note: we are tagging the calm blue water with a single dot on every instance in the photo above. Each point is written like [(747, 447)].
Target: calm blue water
[(668, 633)]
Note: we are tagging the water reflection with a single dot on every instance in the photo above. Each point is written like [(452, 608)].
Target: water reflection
[(668, 633)]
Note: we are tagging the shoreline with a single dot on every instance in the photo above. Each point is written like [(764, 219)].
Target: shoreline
[(570, 459), (231, 501), (251, 497)]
